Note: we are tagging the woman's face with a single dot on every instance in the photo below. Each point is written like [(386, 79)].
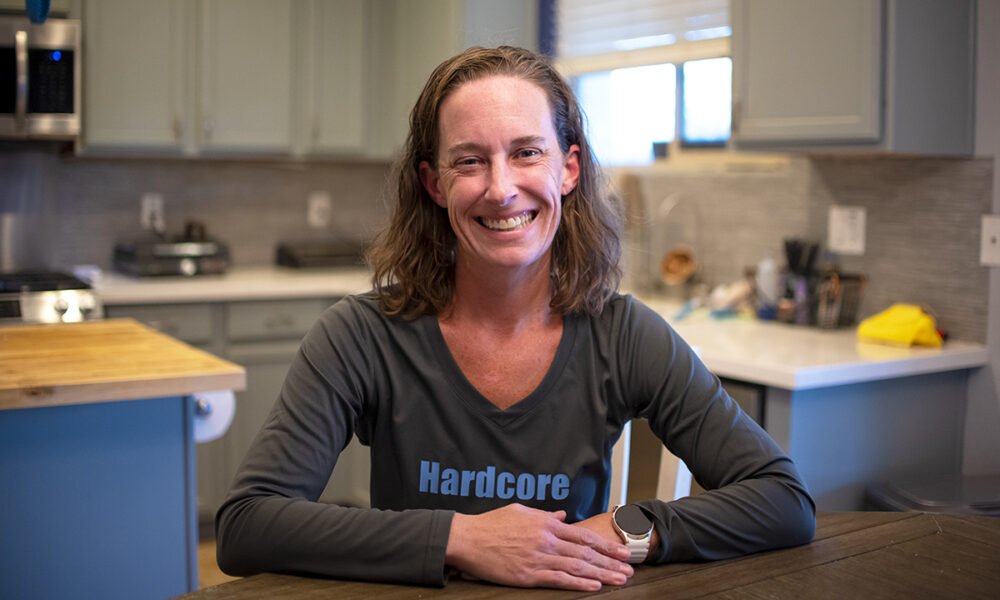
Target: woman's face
[(500, 173)]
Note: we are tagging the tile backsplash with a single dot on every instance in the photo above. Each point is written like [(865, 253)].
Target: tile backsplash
[(90, 203), (922, 231), (922, 234)]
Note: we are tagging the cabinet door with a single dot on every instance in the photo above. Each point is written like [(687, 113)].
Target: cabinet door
[(335, 76), (134, 64), (266, 364), (246, 75), (808, 70)]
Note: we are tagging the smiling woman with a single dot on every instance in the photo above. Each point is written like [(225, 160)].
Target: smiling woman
[(492, 370)]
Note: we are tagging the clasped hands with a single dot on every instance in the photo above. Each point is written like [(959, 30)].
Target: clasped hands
[(526, 547)]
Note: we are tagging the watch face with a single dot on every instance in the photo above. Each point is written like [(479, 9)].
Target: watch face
[(631, 519)]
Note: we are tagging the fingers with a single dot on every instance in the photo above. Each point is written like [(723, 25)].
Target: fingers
[(527, 547), (591, 539)]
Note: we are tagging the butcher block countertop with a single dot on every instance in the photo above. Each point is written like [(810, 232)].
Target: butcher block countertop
[(99, 361)]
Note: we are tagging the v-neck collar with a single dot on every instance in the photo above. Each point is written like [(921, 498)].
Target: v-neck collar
[(481, 405)]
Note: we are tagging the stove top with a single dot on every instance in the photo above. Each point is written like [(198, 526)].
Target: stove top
[(39, 281), (46, 297)]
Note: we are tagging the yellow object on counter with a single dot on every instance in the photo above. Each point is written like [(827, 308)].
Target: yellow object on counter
[(901, 325)]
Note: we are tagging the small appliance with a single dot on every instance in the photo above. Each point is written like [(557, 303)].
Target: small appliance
[(192, 253)]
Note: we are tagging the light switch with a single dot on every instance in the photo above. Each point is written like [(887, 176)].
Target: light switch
[(989, 246), (846, 230)]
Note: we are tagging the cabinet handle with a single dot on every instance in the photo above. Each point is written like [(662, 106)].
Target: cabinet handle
[(207, 127), (314, 129), (734, 125), (21, 80), (177, 127)]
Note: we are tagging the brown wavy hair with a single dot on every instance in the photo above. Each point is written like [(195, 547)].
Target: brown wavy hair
[(413, 257)]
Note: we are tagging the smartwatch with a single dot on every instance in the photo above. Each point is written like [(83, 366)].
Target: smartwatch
[(636, 530)]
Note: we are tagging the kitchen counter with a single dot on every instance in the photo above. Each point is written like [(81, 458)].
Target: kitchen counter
[(239, 283), (97, 459), (766, 353), (99, 361), (794, 357)]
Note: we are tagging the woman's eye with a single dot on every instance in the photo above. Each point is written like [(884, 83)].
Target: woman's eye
[(528, 153), (467, 162)]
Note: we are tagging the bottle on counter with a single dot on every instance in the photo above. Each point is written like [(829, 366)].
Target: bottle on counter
[(768, 287)]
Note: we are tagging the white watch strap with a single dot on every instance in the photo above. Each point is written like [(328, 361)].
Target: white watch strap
[(638, 550)]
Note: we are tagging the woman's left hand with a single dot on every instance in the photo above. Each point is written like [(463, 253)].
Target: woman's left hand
[(601, 524)]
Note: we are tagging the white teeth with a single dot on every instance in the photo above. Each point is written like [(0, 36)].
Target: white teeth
[(508, 224)]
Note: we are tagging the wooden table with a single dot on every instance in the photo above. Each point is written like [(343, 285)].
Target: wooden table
[(854, 554)]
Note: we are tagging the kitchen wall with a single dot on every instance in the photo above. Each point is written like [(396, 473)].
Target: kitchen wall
[(922, 224), (81, 206)]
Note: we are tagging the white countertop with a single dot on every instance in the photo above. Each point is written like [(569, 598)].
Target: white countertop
[(767, 353), (797, 358), (239, 283)]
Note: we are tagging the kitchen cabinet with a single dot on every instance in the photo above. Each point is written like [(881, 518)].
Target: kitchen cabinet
[(336, 82), (135, 89), (414, 37), (288, 78), (188, 77), (225, 77), (888, 76), (245, 68)]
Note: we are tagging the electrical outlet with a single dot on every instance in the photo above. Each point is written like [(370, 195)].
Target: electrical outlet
[(989, 246), (319, 209), (151, 212), (846, 230)]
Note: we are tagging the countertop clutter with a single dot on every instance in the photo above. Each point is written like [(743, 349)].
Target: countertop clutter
[(764, 352), (98, 361)]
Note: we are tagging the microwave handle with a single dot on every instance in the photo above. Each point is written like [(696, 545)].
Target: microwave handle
[(21, 98)]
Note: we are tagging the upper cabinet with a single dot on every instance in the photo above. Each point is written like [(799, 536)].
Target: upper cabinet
[(224, 77), (307, 78), (412, 38), (135, 89), (893, 76), (245, 75)]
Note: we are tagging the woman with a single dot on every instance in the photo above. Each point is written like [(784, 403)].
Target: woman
[(491, 371)]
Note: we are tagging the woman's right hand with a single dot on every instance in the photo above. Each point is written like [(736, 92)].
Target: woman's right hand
[(526, 547)]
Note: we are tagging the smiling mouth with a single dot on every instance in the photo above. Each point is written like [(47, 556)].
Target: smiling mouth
[(510, 224)]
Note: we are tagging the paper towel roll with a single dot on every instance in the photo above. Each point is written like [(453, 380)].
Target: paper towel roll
[(213, 413)]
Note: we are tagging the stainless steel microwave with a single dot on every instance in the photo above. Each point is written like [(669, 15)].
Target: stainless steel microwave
[(39, 78)]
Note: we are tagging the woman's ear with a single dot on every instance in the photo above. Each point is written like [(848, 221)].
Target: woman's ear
[(571, 169), (431, 181)]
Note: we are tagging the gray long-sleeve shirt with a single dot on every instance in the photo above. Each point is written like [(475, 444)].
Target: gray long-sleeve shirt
[(438, 446)]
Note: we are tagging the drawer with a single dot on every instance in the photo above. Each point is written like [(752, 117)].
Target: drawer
[(191, 323), (285, 319)]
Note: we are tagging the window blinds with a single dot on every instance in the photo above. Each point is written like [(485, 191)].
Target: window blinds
[(595, 27)]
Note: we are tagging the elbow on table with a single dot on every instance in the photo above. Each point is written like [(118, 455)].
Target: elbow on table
[(230, 553), (802, 528)]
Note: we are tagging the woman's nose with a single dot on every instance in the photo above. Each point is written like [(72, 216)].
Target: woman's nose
[(501, 188)]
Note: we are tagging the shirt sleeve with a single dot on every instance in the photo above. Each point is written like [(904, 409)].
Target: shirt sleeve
[(755, 499), (271, 520)]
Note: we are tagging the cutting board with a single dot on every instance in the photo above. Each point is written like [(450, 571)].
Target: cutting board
[(99, 361)]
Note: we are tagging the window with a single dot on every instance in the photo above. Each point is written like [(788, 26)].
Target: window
[(648, 72)]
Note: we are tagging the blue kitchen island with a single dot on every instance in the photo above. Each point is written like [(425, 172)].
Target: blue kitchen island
[(97, 460)]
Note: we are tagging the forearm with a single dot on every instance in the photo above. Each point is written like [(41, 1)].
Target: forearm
[(275, 534), (749, 516)]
